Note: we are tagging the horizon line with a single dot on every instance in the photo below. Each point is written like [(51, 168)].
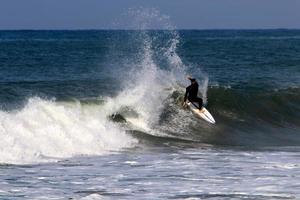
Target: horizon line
[(183, 29)]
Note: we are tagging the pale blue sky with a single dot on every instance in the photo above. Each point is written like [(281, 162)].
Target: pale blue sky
[(185, 14)]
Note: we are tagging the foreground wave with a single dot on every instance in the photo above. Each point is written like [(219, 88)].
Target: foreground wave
[(47, 130)]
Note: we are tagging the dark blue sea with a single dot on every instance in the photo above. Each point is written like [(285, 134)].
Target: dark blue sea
[(98, 114)]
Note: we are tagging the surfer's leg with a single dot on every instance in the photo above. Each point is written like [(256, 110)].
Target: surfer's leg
[(200, 102), (197, 100)]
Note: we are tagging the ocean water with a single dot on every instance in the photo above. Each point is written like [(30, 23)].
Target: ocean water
[(98, 115)]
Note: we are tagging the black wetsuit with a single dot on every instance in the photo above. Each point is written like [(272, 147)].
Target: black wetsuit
[(191, 94)]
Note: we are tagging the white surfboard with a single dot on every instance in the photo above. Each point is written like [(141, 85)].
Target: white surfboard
[(203, 113)]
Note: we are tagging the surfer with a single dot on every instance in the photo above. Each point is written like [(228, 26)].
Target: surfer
[(192, 92)]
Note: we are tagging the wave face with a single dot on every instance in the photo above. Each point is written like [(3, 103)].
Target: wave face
[(72, 93)]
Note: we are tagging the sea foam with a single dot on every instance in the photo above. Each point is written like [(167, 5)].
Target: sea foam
[(46, 131)]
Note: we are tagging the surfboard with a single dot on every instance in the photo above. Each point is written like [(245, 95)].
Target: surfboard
[(203, 113)]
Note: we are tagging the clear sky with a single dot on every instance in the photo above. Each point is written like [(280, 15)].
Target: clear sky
[(185, 14)]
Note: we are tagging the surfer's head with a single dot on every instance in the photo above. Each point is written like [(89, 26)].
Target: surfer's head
[(191, 79)]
